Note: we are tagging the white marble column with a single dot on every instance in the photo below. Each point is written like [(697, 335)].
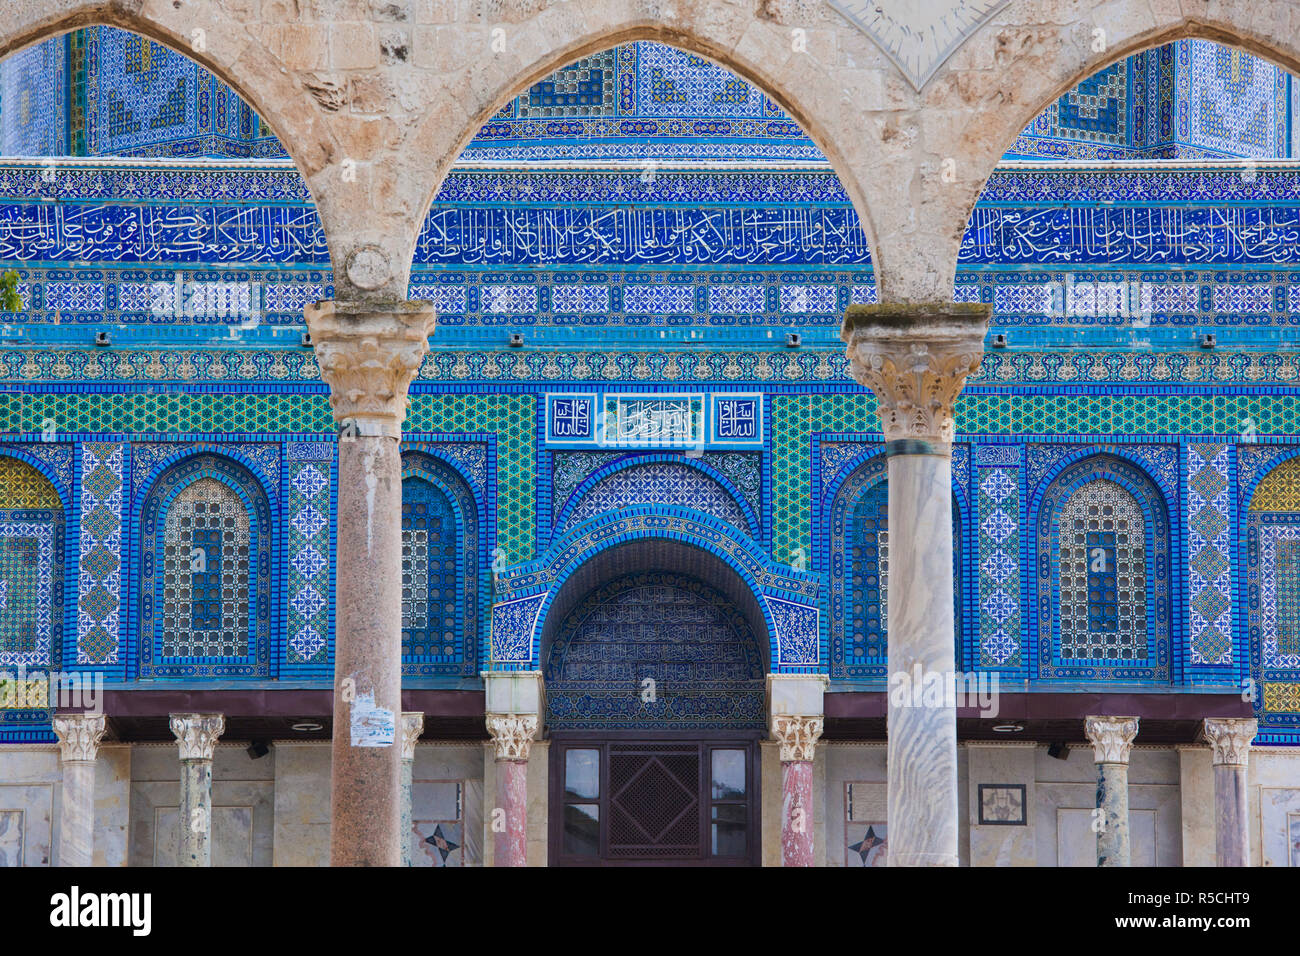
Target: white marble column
[(412, 727), (196, 736), (1112, 741), (915, 359), (368, 352), (1229, 740), (79, 736)]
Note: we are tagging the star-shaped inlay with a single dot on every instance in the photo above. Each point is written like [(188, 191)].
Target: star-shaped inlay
[(440, 843), (868, 843)]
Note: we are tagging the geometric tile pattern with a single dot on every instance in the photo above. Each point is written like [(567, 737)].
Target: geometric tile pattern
[(99, 572), (654, 649), (310, 466), (1102, 575), (430, 585), (31, 566), (999, 567), (659, 484), (1209, 577), (1279, 567), (206, 559)]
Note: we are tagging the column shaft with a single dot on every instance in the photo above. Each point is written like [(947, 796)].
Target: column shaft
[(79, 736), (511, 838), (1112, 741), (196, 736), (1112, 821), (195, 822), (797, 813), (412, 726), (1230, 739), (367, 774), (922, 747)]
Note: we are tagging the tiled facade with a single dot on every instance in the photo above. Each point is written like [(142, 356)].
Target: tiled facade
[(1124, 503)]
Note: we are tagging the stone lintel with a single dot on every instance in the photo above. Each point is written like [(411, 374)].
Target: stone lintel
[(916, 358), (369, 351)]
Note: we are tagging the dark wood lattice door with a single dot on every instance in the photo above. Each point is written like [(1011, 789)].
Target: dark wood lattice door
[(654, 802)]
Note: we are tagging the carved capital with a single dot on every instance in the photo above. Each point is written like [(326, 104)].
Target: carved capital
[(916, 358), (798, 735), (369, 355), (1111, 737), (79, 735), (412, 727), (513, 734), (196, 734), (1229, 739)]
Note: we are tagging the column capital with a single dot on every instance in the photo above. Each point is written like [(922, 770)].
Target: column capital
[(196, 734), (1111, 737), (368, 353), (79, 735), (412, 727), (1229, 739), (798, 735), (916, 358), (512, 734)]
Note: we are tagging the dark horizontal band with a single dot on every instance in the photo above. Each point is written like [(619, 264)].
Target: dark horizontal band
[(910, 446)]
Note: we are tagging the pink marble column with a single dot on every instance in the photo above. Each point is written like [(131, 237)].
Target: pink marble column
[(915, 359), (512, 736), (368, 353), (1229, 740), (798, 737)]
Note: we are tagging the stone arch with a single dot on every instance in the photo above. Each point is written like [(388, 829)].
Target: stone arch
[(755, 44), (242, 487), (1038, 55), (269, 62)]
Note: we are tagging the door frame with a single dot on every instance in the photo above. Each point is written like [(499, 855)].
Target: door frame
[(560, 741)]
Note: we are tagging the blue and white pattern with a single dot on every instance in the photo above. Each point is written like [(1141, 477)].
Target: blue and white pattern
[(35, 540), (658, 484), (999, 565), (99, 572), (309, 544), (1273, 538), (1209, 578), (513, 623), (797, 632)]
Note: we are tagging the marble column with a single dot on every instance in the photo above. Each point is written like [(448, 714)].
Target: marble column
[(368, 352), (196, 735), (1229, 740), (412, 727), (1112, 740), (512, 737), (915, 359), (798, 737), (79, 736)]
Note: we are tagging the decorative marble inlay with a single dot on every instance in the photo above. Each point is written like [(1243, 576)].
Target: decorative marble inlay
[(918, 37)]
